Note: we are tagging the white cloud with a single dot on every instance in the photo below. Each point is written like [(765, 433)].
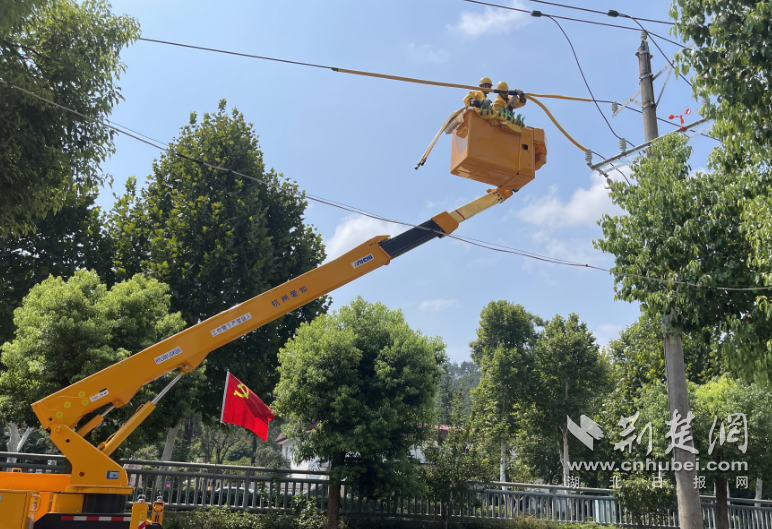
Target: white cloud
[(356, 229), (427, 54), (435, 305), (490, 20), (585, 207)]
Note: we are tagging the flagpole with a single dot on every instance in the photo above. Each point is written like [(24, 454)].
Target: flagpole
[(224, 394)]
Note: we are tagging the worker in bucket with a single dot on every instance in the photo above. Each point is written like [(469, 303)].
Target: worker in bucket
[(504, 102), (479, 98)]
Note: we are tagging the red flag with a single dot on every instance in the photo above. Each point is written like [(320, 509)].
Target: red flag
[(240, 406)]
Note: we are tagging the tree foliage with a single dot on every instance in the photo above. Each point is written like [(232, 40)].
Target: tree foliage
[(637, 361), (72, 239), (677, 228), (712, 404), (504, 349), (462, 377), (69, 330), (67, 52), (731, 64), (570, 377), (367, 381), (504, 324), (647, 505), (218, 239), (456, 462), (688, 228), (731, 60)]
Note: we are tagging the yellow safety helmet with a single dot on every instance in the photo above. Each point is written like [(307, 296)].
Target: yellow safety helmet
[(502, 86), (486, 80)]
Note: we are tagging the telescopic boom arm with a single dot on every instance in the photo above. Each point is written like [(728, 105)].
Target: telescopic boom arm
[(92, 469)]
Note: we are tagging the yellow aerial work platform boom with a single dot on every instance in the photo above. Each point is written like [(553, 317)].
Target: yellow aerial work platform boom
[(98, 486)]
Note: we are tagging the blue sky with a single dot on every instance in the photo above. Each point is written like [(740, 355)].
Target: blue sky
[(356, 140)]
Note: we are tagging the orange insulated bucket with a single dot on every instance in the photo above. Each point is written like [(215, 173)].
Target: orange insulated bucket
[(487, 153)]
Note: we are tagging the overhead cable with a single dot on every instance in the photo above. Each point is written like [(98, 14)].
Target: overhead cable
[(610, 12), (549, 114), (475, 242), (541, 14), (581, 71), (653, 40), (394, 78)]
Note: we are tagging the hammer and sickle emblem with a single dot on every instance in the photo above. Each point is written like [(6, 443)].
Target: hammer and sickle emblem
[(244, 391)]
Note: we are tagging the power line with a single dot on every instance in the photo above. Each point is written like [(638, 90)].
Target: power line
[(313, 65), (653, 40), (541, 14), (663, 120), (581, 71), (532, 97), (393, 77), (610, 12), (475, 242)]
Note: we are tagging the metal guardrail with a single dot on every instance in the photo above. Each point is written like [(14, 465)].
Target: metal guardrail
[(186, 486)]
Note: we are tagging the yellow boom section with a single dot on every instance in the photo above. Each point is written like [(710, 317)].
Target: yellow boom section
[(92, 469), (94, 473), (117, 384)]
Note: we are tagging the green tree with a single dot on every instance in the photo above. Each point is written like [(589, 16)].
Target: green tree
[(368, 381), (68, 52), (218, 239), (731, 60), (637, 361), (713, 403), (69, 330), (680, 229), (72, 239), (456, 462), (731, 64), (649, 506), (12, 12), (504, 351), (456, 377), (571, 377)]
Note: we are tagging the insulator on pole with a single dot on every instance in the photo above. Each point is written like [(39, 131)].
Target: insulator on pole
[(705, 102), (614, 107), (622, 145), (588, 156)]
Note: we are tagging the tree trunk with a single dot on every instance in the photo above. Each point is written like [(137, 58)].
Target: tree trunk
[(503, 462), (333, 505), (187, 436), (564, 457), (689, 508), (759, 485), (23, 439), (13, 440), (16, 442), (254, 449), (722, 510), (171, 436)]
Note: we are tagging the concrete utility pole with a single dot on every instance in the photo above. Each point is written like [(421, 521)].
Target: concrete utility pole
[(649, 107), (689, 510)]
